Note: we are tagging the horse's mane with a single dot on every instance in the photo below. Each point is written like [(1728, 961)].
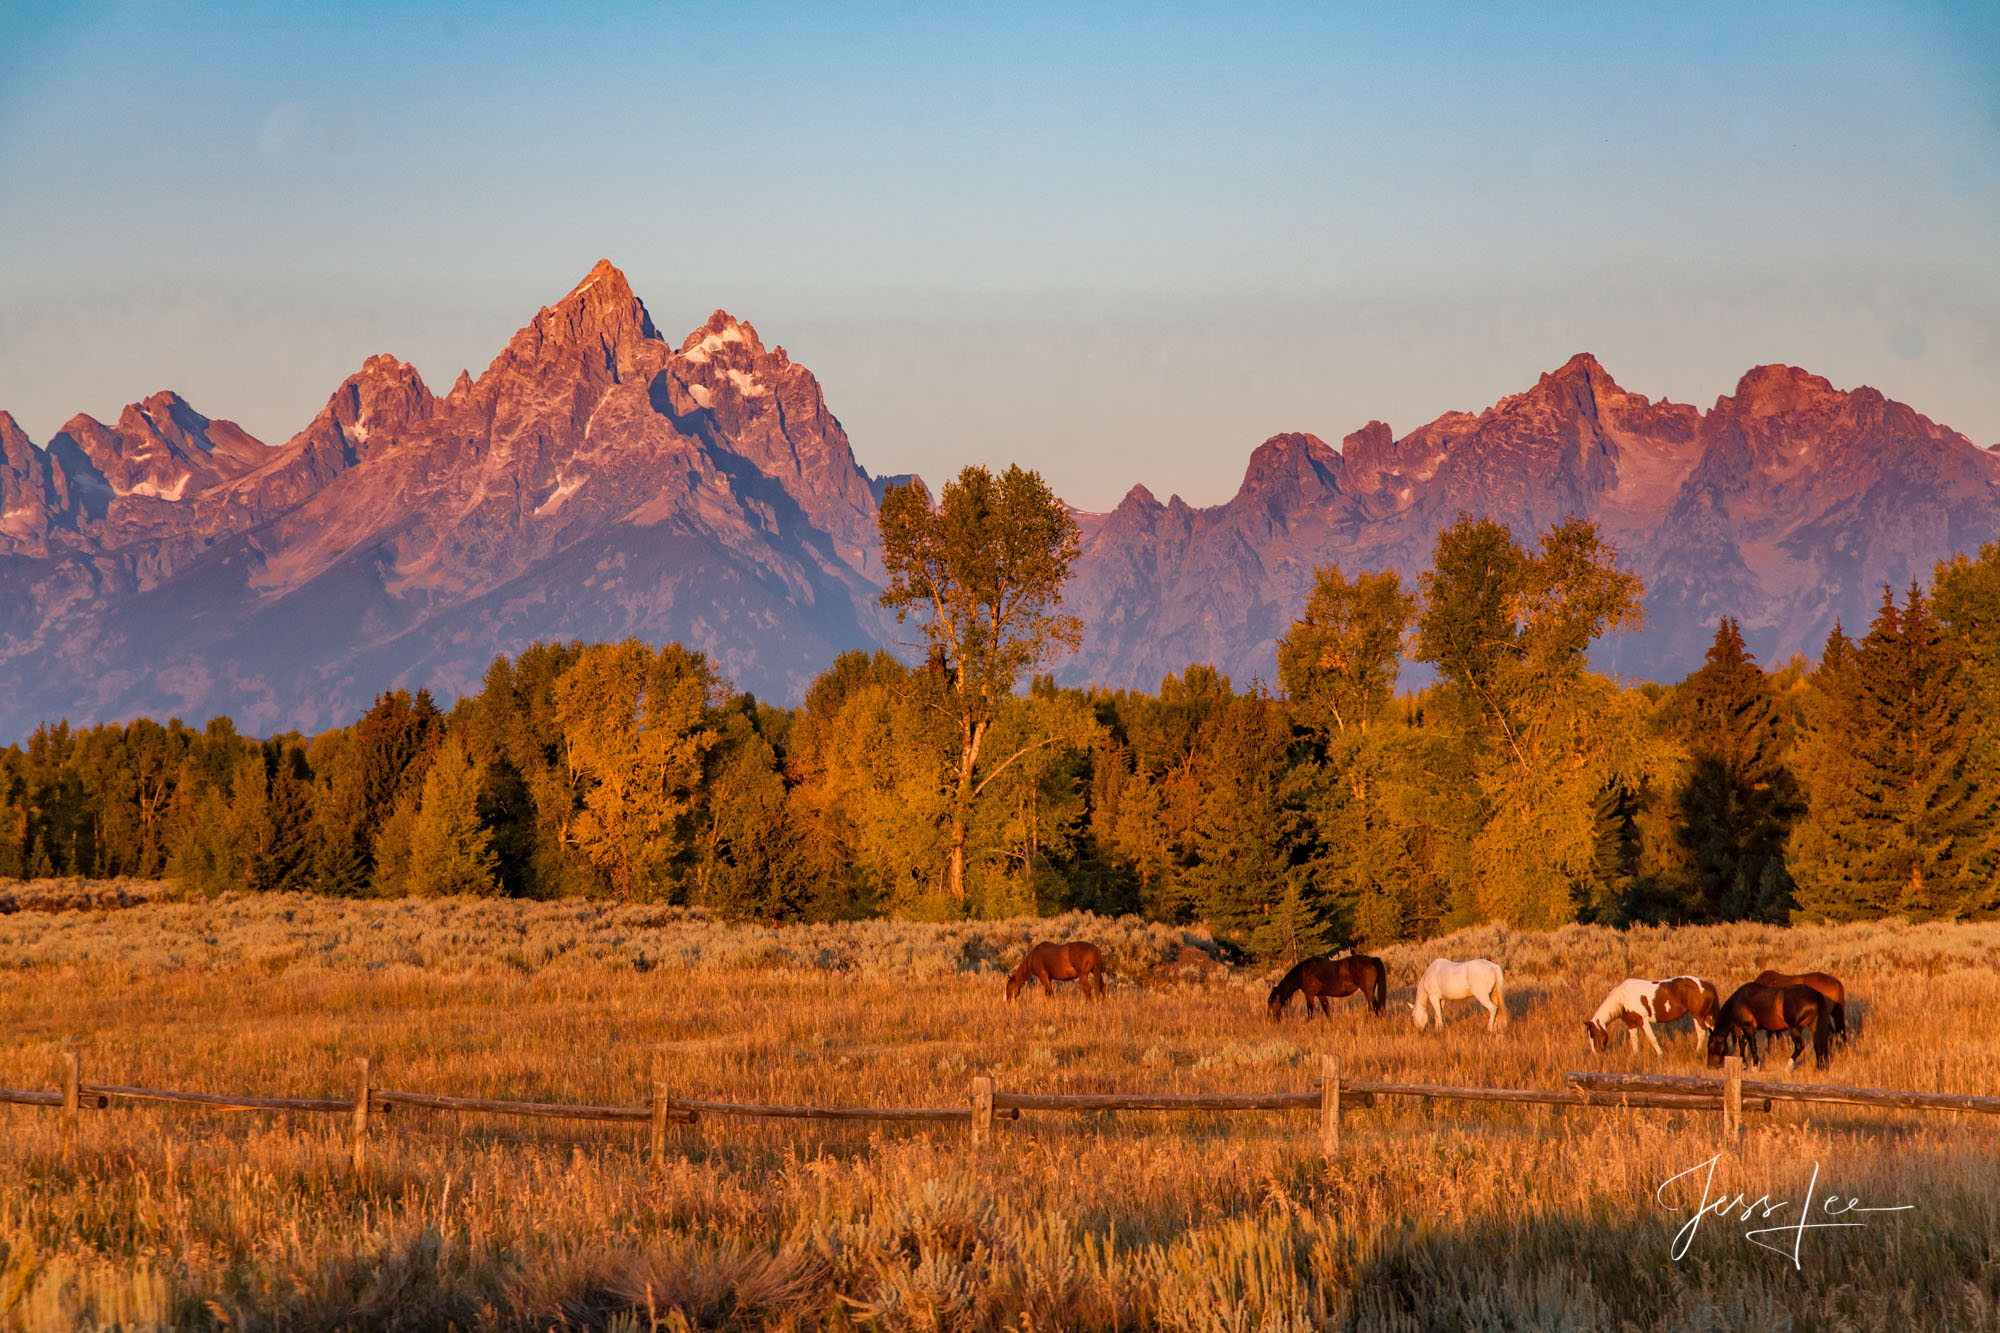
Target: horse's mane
[(1289, 984)]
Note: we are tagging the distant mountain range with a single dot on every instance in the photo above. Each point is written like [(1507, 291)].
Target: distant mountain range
[(597, 482)]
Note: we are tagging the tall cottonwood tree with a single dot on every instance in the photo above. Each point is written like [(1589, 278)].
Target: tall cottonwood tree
[(984, 570), (1338, 663), (1541, 736)]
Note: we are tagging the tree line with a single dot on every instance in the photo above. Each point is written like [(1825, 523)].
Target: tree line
[(1321, 810)]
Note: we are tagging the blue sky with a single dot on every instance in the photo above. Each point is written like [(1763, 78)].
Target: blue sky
[(1118, 244)]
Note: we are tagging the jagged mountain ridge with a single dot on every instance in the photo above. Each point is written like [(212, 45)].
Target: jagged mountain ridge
[(1789, 505), (596, 480)]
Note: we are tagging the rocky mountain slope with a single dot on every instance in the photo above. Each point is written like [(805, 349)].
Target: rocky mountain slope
[(597, 481), (593, 482), (1789, 504)]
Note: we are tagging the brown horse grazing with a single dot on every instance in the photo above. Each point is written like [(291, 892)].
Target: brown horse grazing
[(1051, 962), (1324, 979), (1825, 983), (1799, 1010)]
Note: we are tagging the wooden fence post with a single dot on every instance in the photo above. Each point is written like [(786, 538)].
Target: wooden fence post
[(1732, 1098), (1329, 1106), (361, 1115), (982, 1113), (71, 1102), (659, 1114)]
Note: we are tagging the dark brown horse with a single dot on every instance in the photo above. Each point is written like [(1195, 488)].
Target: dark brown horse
[(1825, 983), (1799, 1010), (1324, 979), (1051, 962)]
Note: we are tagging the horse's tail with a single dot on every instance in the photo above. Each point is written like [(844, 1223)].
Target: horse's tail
[(1500, 993), (1840, 1019), (1381, 995)]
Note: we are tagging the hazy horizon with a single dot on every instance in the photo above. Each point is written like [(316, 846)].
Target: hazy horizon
[(1119, 248)]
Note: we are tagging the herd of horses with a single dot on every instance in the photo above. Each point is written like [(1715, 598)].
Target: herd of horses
[(1808, 1007)]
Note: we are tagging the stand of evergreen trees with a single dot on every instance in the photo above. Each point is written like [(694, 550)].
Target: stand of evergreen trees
[(1520, 786)]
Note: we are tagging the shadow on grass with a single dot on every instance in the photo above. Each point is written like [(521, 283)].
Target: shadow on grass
[(1601, 1269)]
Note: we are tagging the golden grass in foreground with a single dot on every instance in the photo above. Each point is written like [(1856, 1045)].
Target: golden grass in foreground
[(1445, 1216)]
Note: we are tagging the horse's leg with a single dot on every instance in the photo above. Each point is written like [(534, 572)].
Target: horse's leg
[(1048, 983), (1650, 1037), (1492, 1009)]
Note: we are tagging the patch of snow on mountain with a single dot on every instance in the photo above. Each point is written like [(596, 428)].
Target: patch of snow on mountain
[(152, 488), (563, 490), (714, 342)]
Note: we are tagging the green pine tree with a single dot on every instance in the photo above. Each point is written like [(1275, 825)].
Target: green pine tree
[(1253, 874), (450, 849), (1900, 821), (1738, 802)]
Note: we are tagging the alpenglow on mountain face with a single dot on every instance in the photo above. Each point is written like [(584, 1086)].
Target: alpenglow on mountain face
[(597, 481)]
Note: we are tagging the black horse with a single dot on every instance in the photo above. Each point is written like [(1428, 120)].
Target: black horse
[(1324, 979), (1799, 1010)]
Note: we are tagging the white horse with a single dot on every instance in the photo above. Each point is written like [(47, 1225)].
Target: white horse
[(1478, 979)]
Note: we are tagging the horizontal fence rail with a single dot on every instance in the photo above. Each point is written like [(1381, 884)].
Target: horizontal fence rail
[(220, 1101), (1730, 1095), (1894, 1099), (88, 1102), (636, 1115), (1712, 1101), (755, 1110), (1148, 1101)]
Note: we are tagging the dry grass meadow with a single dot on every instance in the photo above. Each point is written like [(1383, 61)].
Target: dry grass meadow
[(1436, 1217)]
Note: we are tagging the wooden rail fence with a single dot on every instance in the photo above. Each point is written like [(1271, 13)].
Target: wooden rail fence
[(1730, 1096)]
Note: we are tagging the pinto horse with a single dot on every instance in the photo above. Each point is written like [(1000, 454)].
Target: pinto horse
[(1324, 979), (1799, 1010), (1636, 1004), (1825, 983), (1050, 962), (1478, 979)]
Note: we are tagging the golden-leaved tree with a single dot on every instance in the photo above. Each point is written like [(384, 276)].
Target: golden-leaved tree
[(1508, 631), (635, 726), (983, 569)]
